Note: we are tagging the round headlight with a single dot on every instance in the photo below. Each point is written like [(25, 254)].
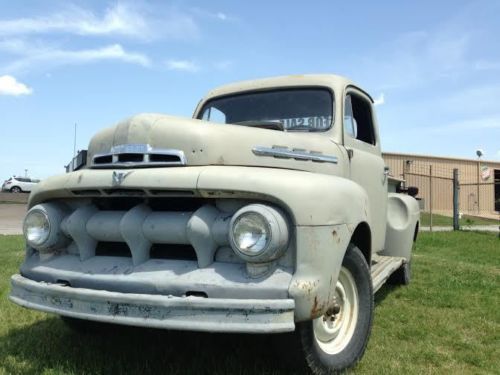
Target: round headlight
[(42, 227), (251, 233), (258, 233), (36, 228)]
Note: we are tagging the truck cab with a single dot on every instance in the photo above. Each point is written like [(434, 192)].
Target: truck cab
[(267, 212)]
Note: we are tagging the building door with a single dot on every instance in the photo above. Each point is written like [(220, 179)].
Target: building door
[(497, 190)]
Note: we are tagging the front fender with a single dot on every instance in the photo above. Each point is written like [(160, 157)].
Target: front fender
[(325, 209)]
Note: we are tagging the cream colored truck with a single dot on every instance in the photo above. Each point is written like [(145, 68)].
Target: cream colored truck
[(270, 211)]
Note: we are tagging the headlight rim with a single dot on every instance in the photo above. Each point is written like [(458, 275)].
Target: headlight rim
[(268, 228), (49, 224), (277, 223)]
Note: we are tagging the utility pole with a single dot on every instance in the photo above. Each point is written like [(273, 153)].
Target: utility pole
[(456, 187), (479, 153)]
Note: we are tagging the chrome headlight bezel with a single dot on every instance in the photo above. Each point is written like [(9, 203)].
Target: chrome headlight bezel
[(274, 224), (45, 237), (54, 214)]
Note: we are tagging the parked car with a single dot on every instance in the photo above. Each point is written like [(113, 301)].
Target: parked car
[(271, 211), (19, 184)]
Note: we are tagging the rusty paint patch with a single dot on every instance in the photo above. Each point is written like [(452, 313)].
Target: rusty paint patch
[(336, 236), (317, 308)]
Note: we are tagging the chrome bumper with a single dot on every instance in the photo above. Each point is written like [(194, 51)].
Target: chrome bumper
[(157, 311)]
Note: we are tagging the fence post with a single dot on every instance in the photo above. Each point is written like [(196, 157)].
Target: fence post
[(456, 187), (430, 196)]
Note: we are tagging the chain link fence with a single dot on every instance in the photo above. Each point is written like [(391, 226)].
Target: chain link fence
[(452, 195)]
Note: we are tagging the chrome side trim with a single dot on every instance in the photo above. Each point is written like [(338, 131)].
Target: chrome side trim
[(281, 152)]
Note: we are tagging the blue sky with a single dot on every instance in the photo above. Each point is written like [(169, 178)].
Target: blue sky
[(432, 66)]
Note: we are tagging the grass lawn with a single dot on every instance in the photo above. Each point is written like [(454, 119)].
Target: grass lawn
[(441, 220), (446, 322)]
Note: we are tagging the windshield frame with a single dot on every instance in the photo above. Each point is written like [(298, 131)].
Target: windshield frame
[(328, 89)]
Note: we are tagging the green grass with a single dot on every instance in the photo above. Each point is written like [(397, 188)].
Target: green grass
[(446, 322), (441, 220)]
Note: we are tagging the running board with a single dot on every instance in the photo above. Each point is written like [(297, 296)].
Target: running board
[(382, 268)]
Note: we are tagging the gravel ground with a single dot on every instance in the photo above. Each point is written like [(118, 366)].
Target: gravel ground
[(11, 218)]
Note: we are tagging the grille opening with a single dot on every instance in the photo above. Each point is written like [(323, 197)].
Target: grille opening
[(171, 192), (114, 249), (178, 204), (124, 192), (195, 293), (116, 204), (164, 158), (170, 251), (86, 192), (63, 282), (105, 159), (130, 157)]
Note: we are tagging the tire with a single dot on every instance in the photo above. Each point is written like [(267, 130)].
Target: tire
[(402, 276), (85, 326), (335, 342), (15, 189)]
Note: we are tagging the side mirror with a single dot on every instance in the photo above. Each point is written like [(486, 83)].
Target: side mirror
[(413, 191)]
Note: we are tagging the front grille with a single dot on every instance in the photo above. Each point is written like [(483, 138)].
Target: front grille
[(156, 251), (112, 249), (177, 204), (176, 252), (137, 156), (153, 228)]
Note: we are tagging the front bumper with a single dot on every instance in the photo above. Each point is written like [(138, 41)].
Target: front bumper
[(157, 311)]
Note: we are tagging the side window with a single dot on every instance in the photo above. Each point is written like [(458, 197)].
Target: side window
[(214, 115), (358, 120), (349, 121)]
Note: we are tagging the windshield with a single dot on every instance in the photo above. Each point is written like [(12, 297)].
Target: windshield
[(307, 109)]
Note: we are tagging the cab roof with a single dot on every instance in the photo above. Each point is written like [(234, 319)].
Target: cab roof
[(338, 83)]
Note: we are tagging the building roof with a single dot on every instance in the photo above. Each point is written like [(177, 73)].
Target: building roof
[(496, 163)]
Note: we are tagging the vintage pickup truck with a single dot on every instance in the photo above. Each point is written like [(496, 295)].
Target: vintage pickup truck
[(270, 211)]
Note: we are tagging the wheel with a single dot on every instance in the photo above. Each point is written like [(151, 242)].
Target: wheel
[(337, 340), (15, 189), (402, 276), (84, 326)]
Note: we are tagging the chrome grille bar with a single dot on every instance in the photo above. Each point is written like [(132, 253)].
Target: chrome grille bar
[(138, 155)]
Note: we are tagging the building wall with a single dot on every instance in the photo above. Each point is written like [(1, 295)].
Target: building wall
[(417, 169)]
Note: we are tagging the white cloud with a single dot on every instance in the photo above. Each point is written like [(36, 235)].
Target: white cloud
[(221, 16), (35, 56), (120, 19), (380, 100), (183, 65), (10, 86)]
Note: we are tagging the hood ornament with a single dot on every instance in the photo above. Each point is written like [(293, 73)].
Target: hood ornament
[(118, 177)]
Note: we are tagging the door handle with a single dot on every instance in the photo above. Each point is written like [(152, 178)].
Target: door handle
[(386, 174)]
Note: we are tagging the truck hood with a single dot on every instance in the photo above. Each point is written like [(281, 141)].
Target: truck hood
[(205, 143)]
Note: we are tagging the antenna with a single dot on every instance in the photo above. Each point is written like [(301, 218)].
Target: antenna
[(74, 142)]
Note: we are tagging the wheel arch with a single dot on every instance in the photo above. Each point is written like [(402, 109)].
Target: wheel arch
[(417, 227), (362, 239)]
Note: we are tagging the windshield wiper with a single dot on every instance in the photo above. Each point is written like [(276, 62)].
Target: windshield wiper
[(306, 128), (264, 124)]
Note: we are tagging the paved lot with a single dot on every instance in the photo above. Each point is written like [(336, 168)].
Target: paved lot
[(11, 218)]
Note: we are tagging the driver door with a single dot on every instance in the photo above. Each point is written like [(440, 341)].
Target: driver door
[(366, 166)]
